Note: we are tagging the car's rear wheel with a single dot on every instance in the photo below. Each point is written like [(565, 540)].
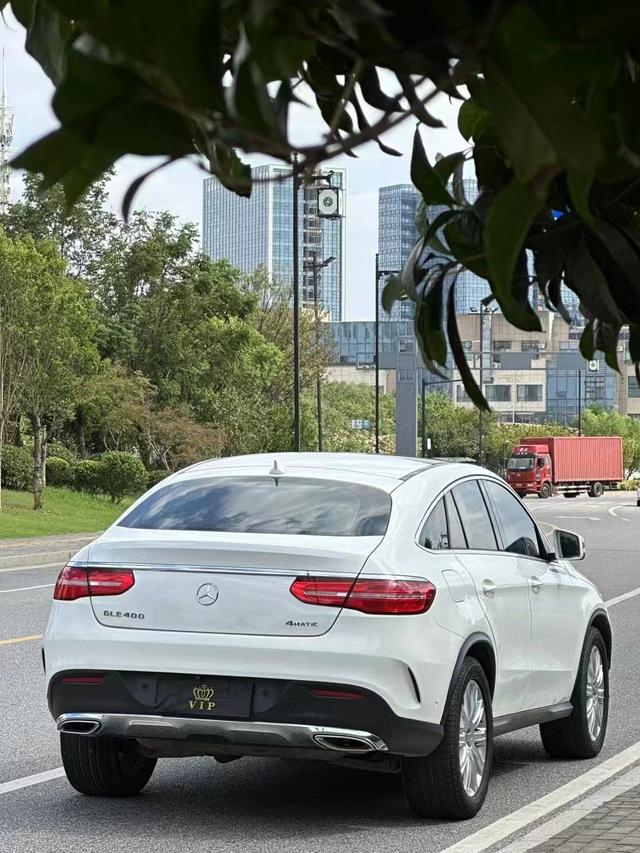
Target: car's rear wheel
[(452, 782), (104, 767), (582, 734)]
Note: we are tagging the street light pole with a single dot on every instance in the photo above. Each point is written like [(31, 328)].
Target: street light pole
[(296, 310), (377, 361), (579, 402), (424, 417), (318, 382), (481, 378)]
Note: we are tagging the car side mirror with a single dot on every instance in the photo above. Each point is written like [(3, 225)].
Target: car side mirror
[(568, 545)]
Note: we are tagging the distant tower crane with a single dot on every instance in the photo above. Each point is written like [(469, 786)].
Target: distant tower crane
[(6, 138)]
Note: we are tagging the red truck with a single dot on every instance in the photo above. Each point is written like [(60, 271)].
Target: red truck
[(567, 465)]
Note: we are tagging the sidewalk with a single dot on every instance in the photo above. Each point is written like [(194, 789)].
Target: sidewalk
[(42, 550), (614, 827)]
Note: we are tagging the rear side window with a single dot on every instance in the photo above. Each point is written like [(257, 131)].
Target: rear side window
[(518, 531), (294, 505), (456, 532), (475, 516), (435, 535)]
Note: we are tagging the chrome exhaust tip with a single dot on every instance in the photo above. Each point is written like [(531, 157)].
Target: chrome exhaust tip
[(345, 743), (79, 727)]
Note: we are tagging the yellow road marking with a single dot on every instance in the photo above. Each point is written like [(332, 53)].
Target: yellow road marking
[(20, 640)]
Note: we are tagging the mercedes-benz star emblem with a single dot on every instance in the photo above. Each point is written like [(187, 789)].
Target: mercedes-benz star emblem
[(207, 594)]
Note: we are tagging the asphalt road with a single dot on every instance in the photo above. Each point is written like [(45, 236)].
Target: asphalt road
[(258, 805)]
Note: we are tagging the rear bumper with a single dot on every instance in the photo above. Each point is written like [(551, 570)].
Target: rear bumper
[(279, 714)]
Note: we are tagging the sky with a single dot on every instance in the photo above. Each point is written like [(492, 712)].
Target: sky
[(179, 187)]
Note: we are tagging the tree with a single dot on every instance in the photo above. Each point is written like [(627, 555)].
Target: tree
[(453, 430), (548, 95), (19, 269), (58, 320), (341, 404), (598, 421), (80, 234)]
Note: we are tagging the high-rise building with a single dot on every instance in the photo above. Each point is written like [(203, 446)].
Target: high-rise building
[(255, 231)]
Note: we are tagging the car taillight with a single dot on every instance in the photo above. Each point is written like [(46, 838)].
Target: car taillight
[(74, 582), (382, 597)]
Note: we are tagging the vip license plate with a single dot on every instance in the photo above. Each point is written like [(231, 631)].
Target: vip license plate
[(208, 698)]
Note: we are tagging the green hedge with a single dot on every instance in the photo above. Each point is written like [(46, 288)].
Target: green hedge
[(86, 476), (155, 477), (59, 472), (629, 485), (17, 468), (121, 474)]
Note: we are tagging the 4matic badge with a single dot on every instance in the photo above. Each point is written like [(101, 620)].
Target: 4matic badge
[(293, 624)]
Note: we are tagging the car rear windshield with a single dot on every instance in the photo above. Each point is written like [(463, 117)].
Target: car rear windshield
[(295, 505), (520, 463)]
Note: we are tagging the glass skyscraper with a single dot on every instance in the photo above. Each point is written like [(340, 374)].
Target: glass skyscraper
[(255, 231)]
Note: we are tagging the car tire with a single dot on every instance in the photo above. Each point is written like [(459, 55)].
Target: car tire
[(596, 490), (577, 736), (435, 784), (104, 767), (545, 491)]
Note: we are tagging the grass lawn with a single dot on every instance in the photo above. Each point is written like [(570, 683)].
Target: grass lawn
[(65, 511)]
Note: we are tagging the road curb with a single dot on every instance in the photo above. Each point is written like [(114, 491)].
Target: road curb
[(41, 558)]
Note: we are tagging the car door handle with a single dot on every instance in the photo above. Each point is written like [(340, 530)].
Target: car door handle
[(489, 588), (536, 584)]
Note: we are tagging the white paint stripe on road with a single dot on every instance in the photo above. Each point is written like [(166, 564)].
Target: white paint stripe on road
[(57, 565), (25, 588), (612, 511), (572, 815), (624, 597), (508, 825), (28, 781), (573, 517)]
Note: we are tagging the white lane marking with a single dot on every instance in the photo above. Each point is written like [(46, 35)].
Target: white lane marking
[(24, 588), (612, 511), (56, 565), (575, 813), (506, 826), (624, 597), (28, 781)]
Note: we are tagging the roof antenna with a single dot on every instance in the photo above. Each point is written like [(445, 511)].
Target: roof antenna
[(276, 472)]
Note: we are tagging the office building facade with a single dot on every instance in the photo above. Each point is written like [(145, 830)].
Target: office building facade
[(257, 231)]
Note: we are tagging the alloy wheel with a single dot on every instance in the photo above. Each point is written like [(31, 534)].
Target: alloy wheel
[(473, 739), (595, 694)]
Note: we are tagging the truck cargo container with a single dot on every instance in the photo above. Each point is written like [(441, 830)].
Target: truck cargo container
[(565, 465)]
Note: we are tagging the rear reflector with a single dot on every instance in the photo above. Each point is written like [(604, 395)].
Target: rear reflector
[(336, 694), (82, 679), (74, 582), (382, 597)]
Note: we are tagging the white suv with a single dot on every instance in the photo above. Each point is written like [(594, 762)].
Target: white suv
[(396, 613)]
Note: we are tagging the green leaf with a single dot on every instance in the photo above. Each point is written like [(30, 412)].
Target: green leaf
[(634, 342), (585, 278), (134, 186), (459, 355), (417, 107), (579, 185), (425, 178), (444, 167), (392, 292), (508, 224), (428, 321), (465, 250), (606, 339), (373, 94), (47, 34), (587, 342), (472, 120)]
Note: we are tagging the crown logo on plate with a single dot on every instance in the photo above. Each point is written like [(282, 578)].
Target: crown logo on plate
[(203, 693)]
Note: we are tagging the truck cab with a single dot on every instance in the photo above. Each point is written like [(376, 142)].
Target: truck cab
[(529, 470)]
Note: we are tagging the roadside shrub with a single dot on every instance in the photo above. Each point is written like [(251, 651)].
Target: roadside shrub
[(629, 485), (58, 450), (17, 468), (121, 474), (59, 472), (155, 477), (86, 476)]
